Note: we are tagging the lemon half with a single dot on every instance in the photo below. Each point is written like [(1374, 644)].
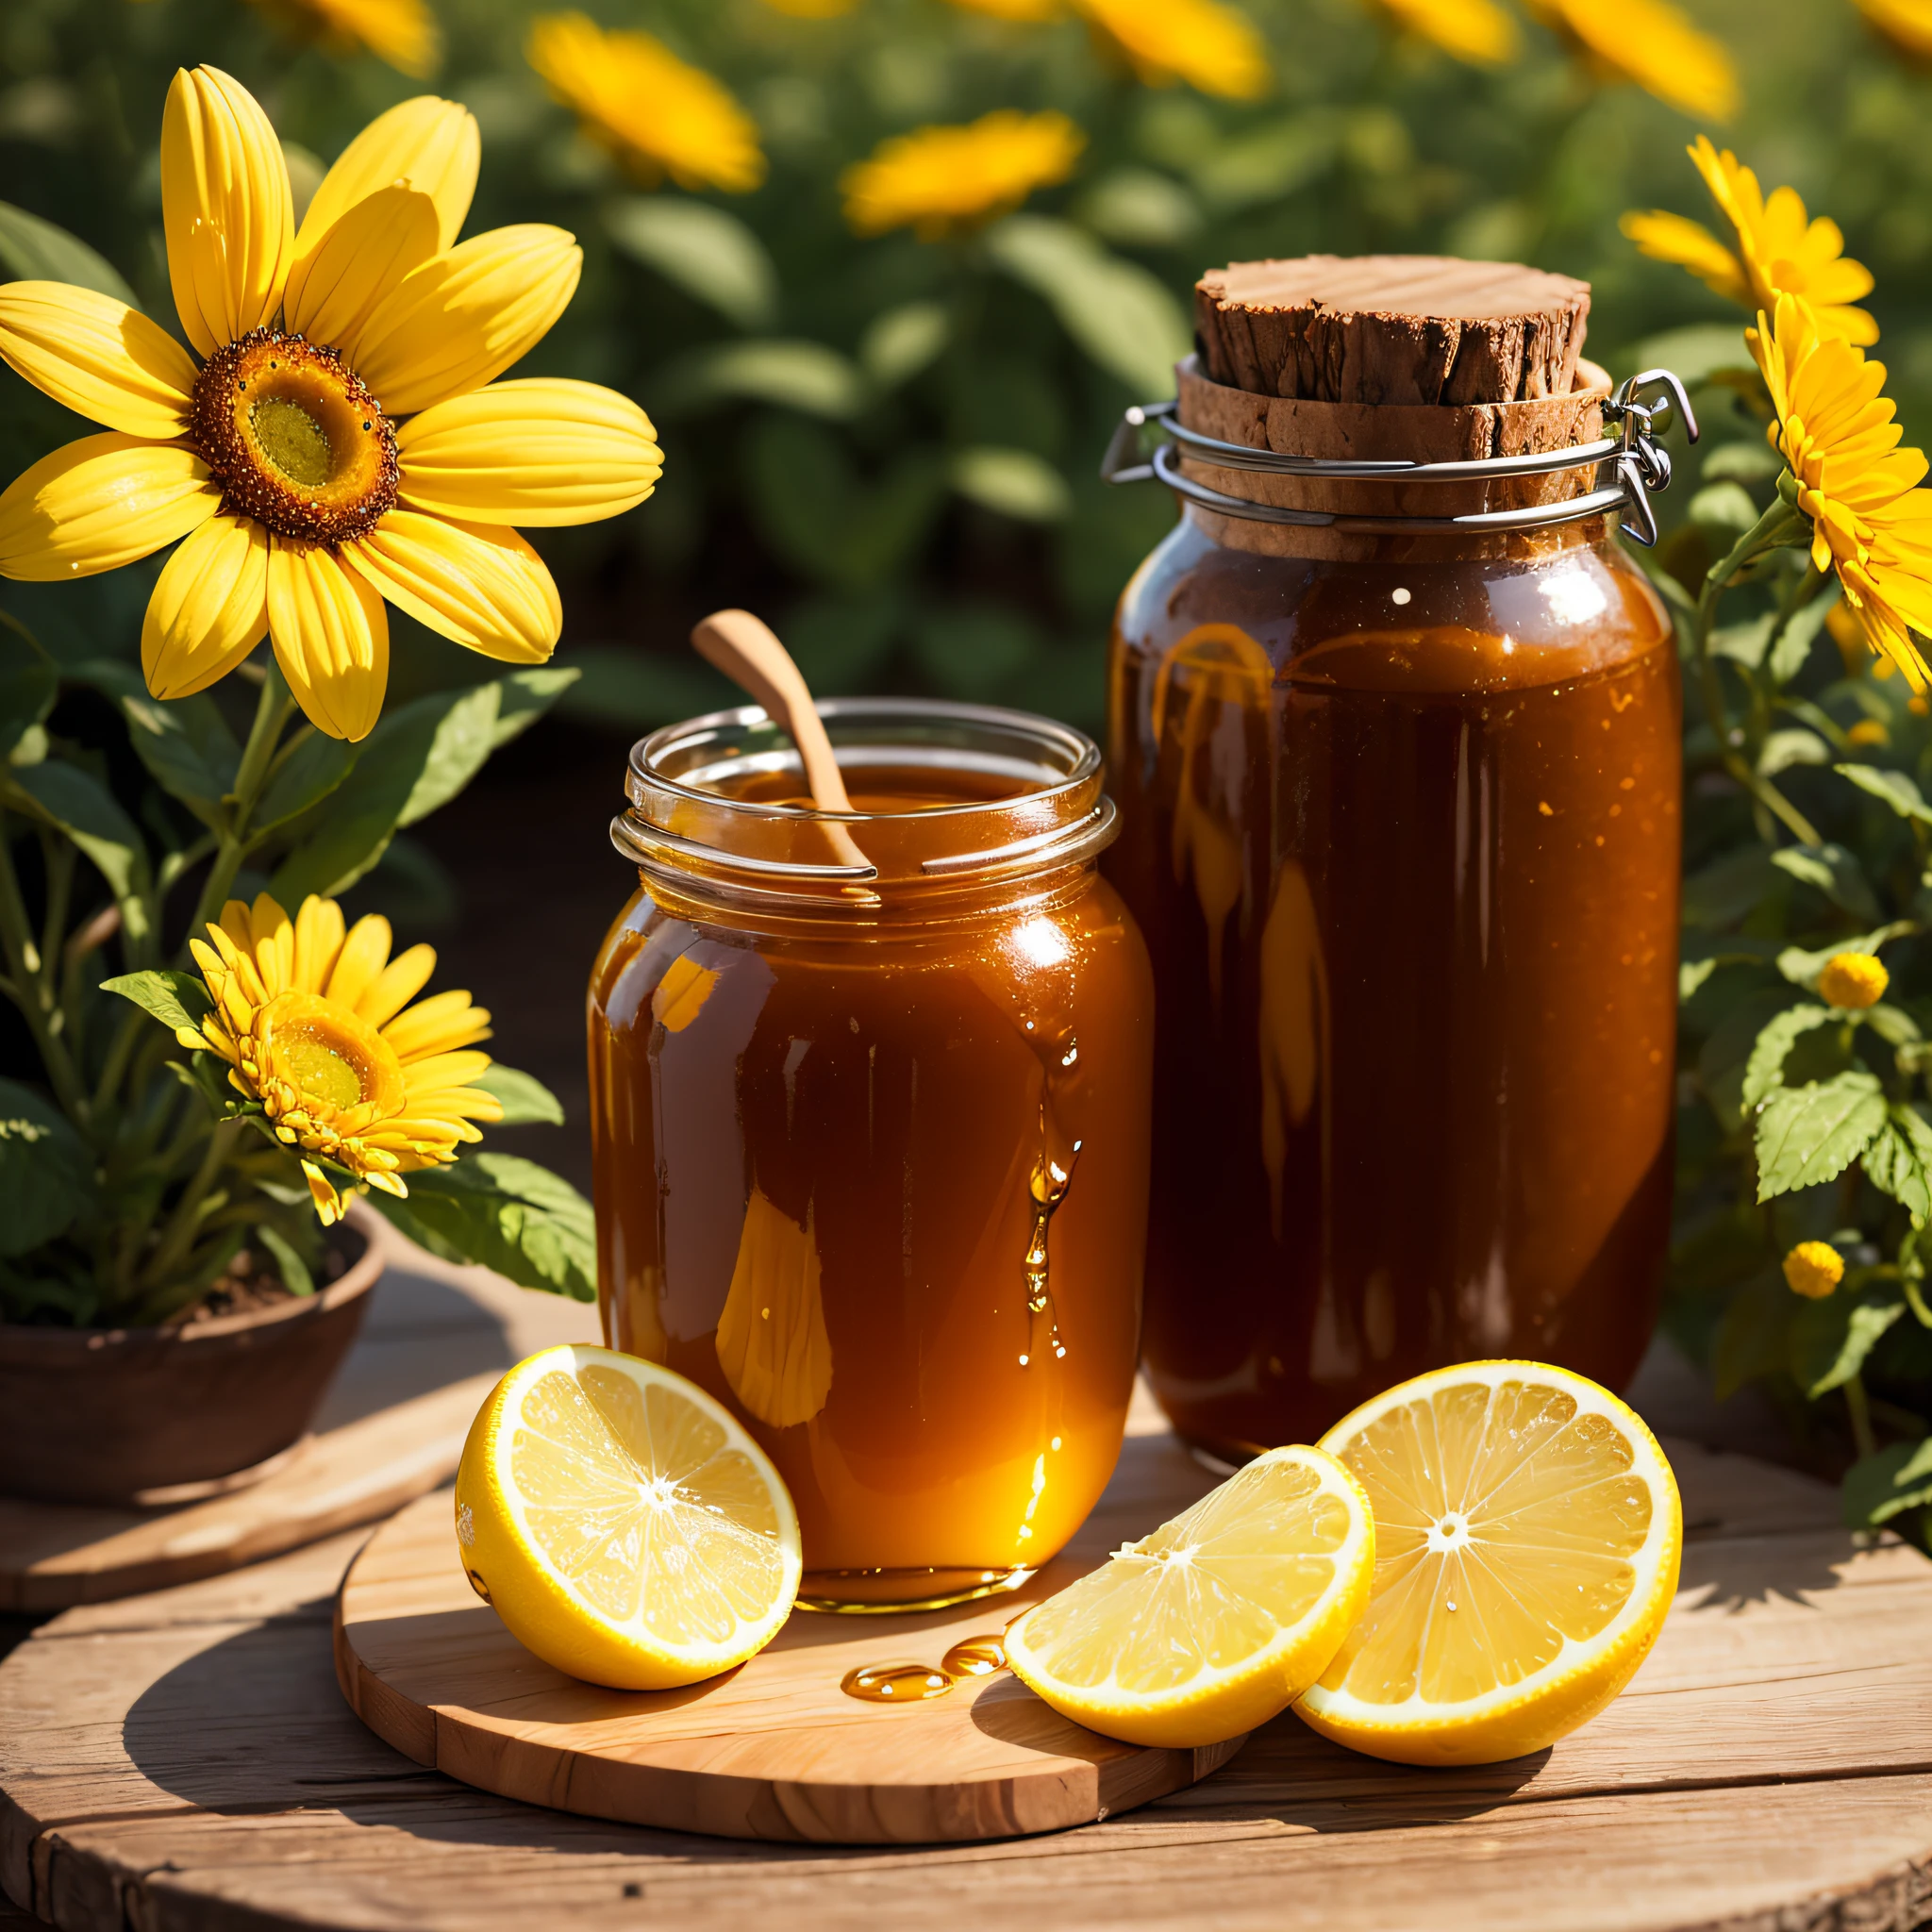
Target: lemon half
[(1216, 1621), (1527, 1535), (621, 1522)]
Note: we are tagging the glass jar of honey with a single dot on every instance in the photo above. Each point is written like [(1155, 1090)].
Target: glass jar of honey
[(869, 1109), (1398, 769)]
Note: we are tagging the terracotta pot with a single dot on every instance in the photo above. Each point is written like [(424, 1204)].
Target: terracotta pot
[(153, 1415)]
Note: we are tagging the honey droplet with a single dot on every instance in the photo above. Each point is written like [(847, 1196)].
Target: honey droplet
[(895, 1683), (974, 1657)]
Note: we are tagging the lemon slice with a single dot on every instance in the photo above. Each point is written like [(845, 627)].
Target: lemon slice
[(1217, 1621), (621, 1522), (1528, 1532)]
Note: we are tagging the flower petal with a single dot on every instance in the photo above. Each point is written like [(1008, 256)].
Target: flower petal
[(396, 985), (318, 941), (226, 205), (460, 319), (440, 1023), (97, 356), (403, 32), (538, 451), (210, 607), (333, 291), (99, 502), (428, 144), (360, 963), (480, 585), (331, 638)]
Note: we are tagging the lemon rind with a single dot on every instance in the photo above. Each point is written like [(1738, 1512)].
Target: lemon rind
[(751, 1635), (1600, 1659), (1096, 1702)]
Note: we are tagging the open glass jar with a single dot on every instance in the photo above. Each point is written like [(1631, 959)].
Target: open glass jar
[(1400, 819), (869, 1109)]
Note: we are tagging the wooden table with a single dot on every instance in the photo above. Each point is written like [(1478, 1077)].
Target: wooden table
[(185, 1760)]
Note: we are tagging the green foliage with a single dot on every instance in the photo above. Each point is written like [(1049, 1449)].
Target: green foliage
[(509, 1214)]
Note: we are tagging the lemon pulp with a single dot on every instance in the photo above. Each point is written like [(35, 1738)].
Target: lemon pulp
[(1527, 1535)]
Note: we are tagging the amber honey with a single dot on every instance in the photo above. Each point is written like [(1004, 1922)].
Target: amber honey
[(871, 1157), (1403, 833)]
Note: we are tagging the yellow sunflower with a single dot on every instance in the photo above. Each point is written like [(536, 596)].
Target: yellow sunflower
[(282, 457), (1907, 24), (1473, 30), (1654, 44), (1778, 250), (1869, 522), (315, 1024), (941, 178), (657, 113), (403, 32), (1211, 47)]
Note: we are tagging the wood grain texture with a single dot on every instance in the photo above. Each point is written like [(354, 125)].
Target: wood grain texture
[(1384, 329), (185, 1760), (434, 1343)]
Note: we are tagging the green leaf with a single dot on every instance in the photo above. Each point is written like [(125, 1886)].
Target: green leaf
[(1784, 749), (1744, 643), (1764, 1070), (976, 653), (1802, 968), (177, 1000), (901, 342), (46, 1172), (1698, 354), (33, 250), (184, 742), (1724, 891), (1724, 511), (1831, 869), (1899, 1161), (1268, 161), (88, 813), (526, 1099), (288, 1264), (1813, 1133), (524, 696), (1894, 788), (706, 251), (796, 374), (1013, 482), (504, 1213), (314, 766), (1139, 209), (1886, 1483), (29, 685), (1750, 1342), (1119, 314), (1892, 1025), (1793, 645), (1751, 461), (1830, 1338), (633, 689)]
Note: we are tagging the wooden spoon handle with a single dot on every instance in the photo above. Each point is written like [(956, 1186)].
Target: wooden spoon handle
[(745, 649)]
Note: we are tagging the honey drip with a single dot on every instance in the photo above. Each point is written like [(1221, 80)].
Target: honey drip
[(1048, 1189), (974, 1657), (896, 1683)]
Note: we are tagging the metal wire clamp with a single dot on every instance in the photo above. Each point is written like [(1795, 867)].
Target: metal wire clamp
[(1638, 466)]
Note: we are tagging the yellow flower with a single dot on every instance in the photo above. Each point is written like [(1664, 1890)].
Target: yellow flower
[(1813, 1269), (653, 111), (1652, 43), (1869, 521), (1778, 251), (812, 9), (941, 178), (1013, 9), (403, 32), (1209, 46), (1907, 24), (282, 456), (1867, 730), (1853, 980), (316, 1024), (1473, 30)]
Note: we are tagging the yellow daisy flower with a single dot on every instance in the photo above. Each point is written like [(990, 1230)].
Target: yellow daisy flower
[(1474, 30), (1869, 522), (1652, 43), (1907, 24), (1209, 46), (657, 114), (282, 456), (315, 1024), (942, 179), (403, 32), (1778, 250)]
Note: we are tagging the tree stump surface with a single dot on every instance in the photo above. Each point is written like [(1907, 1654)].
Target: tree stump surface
[(185, 1760)]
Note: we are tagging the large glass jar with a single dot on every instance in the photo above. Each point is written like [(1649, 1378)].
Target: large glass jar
[(1400, 820), (870, 1112)]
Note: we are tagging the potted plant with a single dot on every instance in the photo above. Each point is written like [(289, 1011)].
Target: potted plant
[(220, 1062)]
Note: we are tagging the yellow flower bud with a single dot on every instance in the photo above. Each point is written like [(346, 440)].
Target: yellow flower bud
[(1813, 1269), (1853, 980), (1868, 731)]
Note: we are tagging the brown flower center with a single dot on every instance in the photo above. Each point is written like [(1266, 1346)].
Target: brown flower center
[(294, 437)]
